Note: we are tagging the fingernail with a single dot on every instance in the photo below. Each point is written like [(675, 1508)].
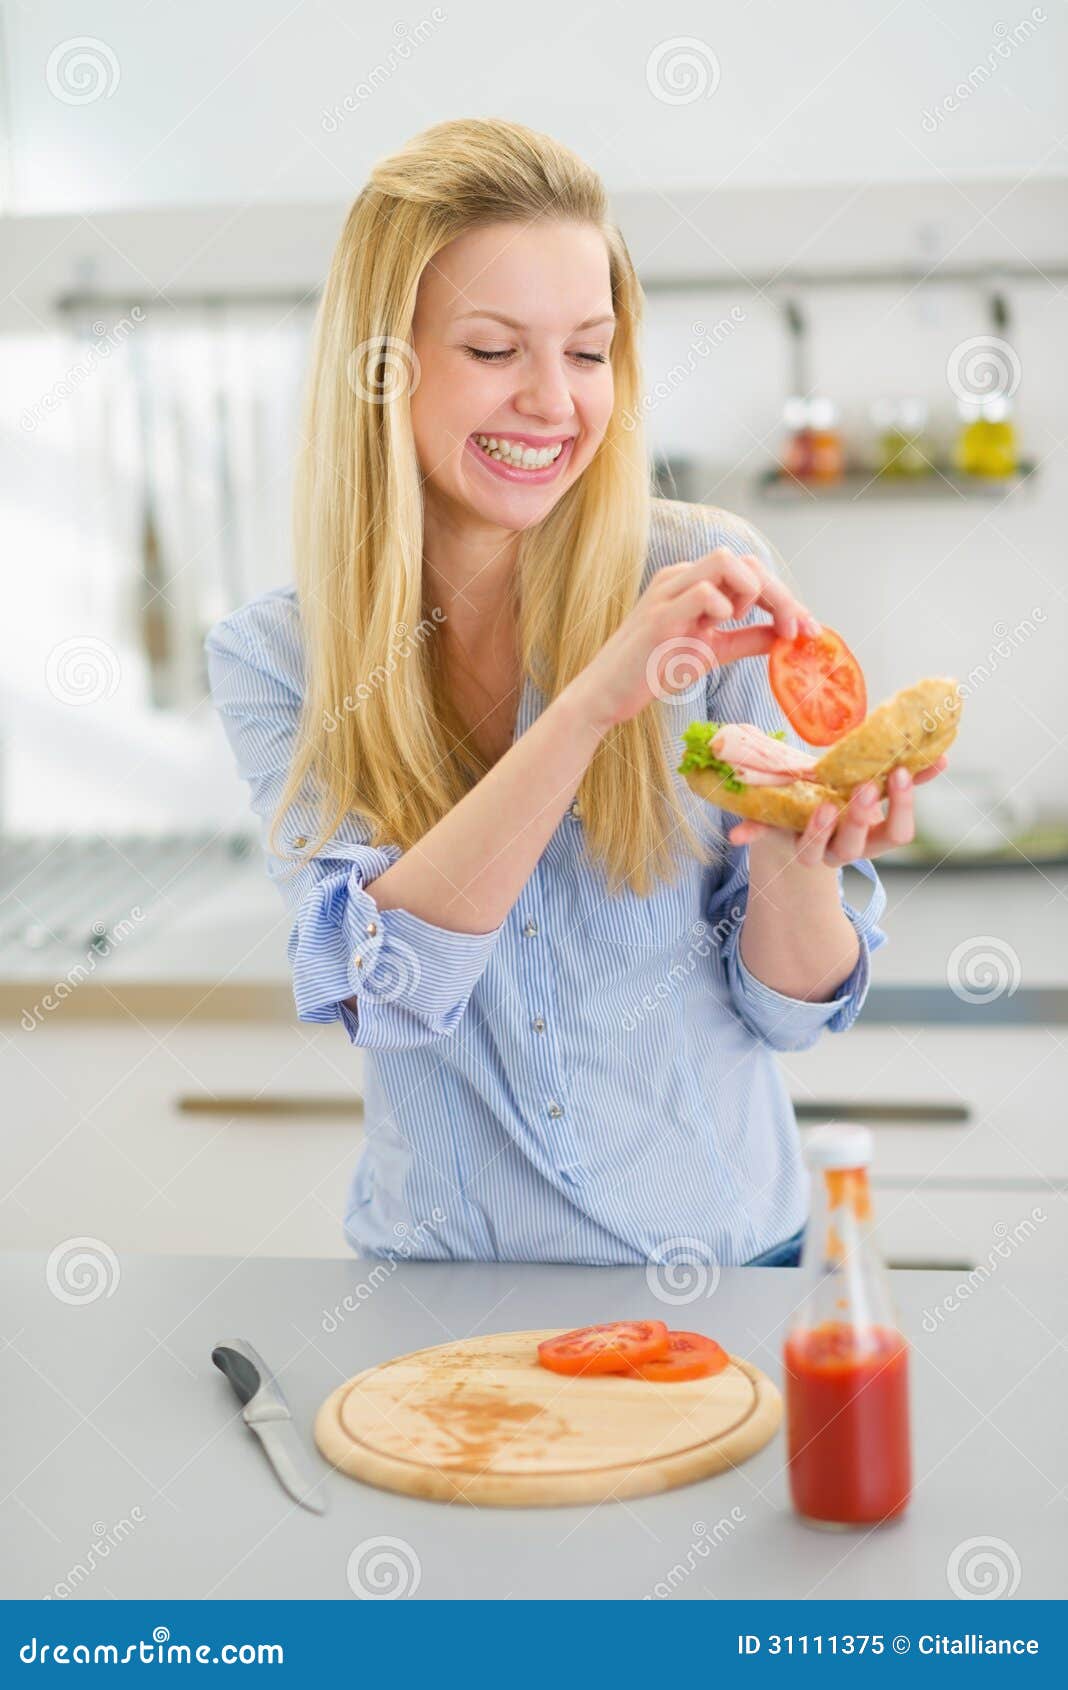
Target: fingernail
[(825, 814), (868, 794), (901, 779), (812, 626)]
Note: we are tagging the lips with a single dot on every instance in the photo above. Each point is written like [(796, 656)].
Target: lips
[(510, 472)]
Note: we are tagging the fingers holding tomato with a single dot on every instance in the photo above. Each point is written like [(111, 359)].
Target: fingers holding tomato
[(746, 581)]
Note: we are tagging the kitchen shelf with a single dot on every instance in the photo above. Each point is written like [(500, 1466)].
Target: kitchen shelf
[(1043, 846), (942, 484)]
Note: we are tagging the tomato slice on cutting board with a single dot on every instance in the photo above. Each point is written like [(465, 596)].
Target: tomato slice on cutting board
[(690, 1355), (610, 1348), (818, 685)]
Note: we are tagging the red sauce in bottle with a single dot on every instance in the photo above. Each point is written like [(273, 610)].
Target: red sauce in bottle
[(848, 1422)]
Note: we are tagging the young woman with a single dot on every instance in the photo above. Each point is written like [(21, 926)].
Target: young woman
[(569, 974)]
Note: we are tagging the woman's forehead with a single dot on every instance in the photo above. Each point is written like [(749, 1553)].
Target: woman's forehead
[(553, 275)]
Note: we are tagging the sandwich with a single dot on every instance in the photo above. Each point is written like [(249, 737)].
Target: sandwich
[(757, 775)]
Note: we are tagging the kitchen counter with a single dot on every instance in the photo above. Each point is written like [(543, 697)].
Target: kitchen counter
[(128, 1473), (219, 953)]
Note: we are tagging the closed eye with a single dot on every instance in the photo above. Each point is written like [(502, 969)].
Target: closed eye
[(498, 357)]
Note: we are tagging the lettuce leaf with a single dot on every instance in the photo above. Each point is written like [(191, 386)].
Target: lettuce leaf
[(698, 754)]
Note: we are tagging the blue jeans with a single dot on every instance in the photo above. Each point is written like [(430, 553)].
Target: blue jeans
[(784, 1255)]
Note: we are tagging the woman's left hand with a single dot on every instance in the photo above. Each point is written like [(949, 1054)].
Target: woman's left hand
[(835, 837)]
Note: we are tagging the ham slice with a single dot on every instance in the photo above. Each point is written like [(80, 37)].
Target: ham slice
[(759, 760)]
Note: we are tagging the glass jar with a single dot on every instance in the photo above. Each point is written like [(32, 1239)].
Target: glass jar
[(903, 446), (986, 445), (813, 450)]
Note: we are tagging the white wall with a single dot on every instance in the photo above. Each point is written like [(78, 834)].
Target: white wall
[(206, 163), (917, 586), (212, 103)]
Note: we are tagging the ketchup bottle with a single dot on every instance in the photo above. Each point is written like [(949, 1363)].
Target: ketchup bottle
[(845, 1359)]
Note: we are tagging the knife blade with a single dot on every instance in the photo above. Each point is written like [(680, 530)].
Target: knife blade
[(266, 1413)]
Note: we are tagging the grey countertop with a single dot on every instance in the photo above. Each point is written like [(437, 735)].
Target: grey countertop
[(127, 1471), (219, 948)]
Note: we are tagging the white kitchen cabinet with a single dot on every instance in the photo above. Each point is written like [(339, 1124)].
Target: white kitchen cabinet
[(982, 1231), (969, 1135), (100, 1145)]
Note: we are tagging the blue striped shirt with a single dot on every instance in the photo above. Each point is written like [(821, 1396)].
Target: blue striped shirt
[(594, 1081)]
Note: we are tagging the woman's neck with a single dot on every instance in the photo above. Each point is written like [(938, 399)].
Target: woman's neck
[(469, 574), (468, 571)]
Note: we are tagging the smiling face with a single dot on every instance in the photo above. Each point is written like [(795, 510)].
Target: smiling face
[(508, 414)]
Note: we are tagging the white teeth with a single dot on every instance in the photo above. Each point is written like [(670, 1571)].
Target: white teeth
[(518, 456)]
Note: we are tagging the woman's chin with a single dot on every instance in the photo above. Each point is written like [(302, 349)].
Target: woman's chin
[(511, 506)]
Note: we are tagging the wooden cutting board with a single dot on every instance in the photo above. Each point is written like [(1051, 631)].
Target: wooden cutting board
[(481, 1421)]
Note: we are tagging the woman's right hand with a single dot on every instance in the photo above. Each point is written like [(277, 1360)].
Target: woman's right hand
[(671, 637)]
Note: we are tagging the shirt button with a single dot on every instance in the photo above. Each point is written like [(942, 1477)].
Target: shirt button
[(371, 929), (530, 929), (555, 1111), (573, 809), (538, 1023), (357, 960), (300, 841)]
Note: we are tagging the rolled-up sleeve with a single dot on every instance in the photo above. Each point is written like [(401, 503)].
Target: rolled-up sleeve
[(784, 1022), (739, 692), (410, 981)]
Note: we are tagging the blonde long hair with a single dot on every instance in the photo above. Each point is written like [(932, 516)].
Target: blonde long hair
[(358, 521)]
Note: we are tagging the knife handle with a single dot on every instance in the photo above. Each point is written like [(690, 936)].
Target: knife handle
[(241, 1371)]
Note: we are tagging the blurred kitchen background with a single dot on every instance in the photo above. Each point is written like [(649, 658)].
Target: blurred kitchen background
[(852, 228)]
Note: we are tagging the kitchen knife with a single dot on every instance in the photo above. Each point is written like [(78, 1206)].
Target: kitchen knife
[(267, 1413)]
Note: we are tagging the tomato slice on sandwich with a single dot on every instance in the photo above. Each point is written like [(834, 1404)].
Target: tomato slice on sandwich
[(611, 1348), (818, 685), (690, 1355)]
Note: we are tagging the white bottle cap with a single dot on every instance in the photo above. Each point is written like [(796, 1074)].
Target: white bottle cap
[(839, 1144)]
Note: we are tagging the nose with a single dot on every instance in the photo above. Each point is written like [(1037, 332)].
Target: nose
[(545, 391)]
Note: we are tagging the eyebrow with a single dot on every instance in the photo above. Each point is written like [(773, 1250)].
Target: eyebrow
[(510, 322)]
